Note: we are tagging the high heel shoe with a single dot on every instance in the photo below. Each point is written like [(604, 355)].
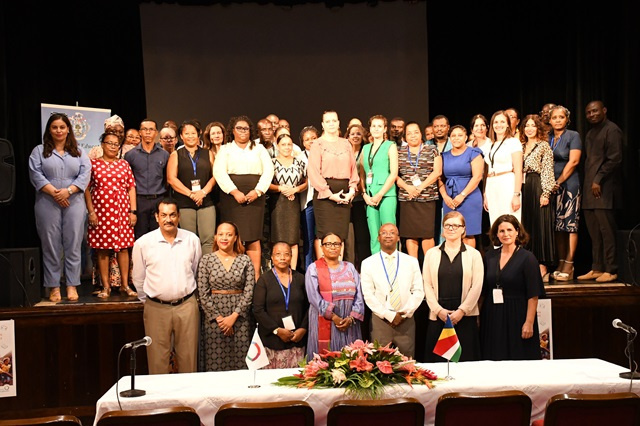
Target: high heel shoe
[(72, 293), (565, 276), (104, 293), (54, 295), (127, 290), (557, 271)]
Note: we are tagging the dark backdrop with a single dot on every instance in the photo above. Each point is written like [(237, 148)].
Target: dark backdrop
[(482, 57)]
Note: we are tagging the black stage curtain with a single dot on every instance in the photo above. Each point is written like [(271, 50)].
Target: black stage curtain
[(482, 57)]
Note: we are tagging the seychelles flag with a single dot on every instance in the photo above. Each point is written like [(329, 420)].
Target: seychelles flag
[(448, 345)]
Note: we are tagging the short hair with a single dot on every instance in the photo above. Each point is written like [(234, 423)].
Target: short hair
[(523, 236), (169, 201), (192, 122), (281, 243), (328, 234), (110, 133), (238, 247), (308, 129), (149, 120), (407, 124), (458, 126), (455, 214), (564, 109)]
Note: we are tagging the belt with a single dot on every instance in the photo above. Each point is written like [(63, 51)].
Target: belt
[(152, 196), (172, 303), (226, 291), (492, 174)]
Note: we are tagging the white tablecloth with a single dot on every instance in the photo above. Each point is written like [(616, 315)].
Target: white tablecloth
[(206, 392)]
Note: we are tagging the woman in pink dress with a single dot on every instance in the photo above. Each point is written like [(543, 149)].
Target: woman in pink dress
[(111, 201)]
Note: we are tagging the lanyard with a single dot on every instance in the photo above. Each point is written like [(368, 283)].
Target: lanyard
[(194, 160), (288, 293), (554, 145), (391, 283), (374, 154), (415, 166), (494, 152)]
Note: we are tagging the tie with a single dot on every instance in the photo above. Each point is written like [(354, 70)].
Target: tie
[(395, 292)]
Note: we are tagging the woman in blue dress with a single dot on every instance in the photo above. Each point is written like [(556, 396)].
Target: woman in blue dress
[(462, 169), (567, 150)]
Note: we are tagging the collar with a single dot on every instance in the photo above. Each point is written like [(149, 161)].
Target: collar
[(463, 247)]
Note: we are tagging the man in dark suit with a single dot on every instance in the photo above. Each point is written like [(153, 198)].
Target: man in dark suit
[(602, 191)]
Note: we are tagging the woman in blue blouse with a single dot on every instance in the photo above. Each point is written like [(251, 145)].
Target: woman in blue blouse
[(60, 172)]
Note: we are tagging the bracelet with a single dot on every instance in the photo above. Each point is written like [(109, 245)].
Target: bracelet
[(90, 213), (463, 194), (516, 194)]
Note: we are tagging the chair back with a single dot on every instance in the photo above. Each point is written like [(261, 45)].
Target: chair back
[(507, 408), (172, 416), (593, 409), (282, 413), (381, 412), (61, 420)]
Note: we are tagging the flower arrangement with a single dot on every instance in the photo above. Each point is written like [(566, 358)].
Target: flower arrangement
[(363, 369)]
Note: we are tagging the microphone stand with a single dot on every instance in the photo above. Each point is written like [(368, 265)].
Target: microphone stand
[(631, 374), (133, 392)]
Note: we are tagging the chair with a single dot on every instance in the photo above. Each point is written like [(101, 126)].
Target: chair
[(61, 420), (507, 408), (172, 416), (573, 409), (282, 413), (399, 411)]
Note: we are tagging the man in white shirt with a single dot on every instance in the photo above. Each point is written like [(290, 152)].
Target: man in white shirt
[(165, 266), (393, 289)]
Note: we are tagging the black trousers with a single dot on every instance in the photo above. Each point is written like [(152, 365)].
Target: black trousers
[(601, 224)]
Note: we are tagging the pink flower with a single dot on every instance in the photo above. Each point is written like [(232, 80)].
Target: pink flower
[(360, 347), (385, 367), (408, 366), (361, 364), (311, 370), (387, 349)]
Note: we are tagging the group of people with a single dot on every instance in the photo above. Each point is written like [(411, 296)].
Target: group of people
[(197, 214)]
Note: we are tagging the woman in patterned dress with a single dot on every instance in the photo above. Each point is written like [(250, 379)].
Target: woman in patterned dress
[(537, 212), (226, 280), (289, 181), (336, 305), (419, 167), (111, 202)]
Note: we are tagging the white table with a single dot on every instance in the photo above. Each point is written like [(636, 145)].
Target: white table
[(206, 392)]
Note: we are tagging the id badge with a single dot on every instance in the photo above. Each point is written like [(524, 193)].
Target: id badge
[(288, 323), (415, 180), (497, 296), (195, 185), (369, 179)]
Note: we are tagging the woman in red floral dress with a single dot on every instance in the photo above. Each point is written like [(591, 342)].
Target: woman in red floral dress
[(111, 200)]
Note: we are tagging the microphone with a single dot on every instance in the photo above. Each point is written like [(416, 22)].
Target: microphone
[(146, 341), (619, 324)]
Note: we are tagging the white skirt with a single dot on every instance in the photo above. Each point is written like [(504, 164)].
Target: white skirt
[(499, 194)]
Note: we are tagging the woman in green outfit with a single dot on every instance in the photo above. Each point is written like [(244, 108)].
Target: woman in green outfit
[(379, 161)]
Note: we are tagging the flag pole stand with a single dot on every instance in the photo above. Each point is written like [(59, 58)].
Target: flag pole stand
[(253, 386), (448, 377)]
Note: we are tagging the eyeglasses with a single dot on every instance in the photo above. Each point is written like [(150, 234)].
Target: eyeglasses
[(388, 234), (452, 226), (242, 129), (332, 245), (147, 129), (112, 144), (168, 139)]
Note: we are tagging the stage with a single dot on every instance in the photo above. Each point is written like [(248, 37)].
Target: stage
[(67, 352)]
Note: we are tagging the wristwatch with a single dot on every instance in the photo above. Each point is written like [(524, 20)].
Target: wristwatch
[(133, 211), (70, 190), (275, 331)]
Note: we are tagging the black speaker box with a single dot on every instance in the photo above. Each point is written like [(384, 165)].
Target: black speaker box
[(20, 278), (628, 256), (7, 172)]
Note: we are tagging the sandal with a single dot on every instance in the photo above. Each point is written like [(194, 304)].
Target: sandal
[(127, 290), (72, 293), (54, 294), (557, 271), (565, 276), (104, 293)]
